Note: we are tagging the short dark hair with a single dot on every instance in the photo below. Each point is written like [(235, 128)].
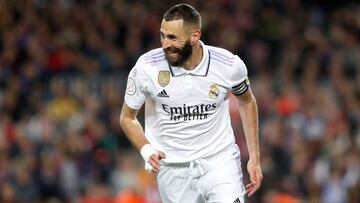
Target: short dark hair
[(183, 11)]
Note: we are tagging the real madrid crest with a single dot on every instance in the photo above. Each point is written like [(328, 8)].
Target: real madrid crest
[(214, 91), (164, 78)]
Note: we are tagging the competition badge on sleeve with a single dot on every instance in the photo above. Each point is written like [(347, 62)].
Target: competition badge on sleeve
[(130, 88), (164, 78)]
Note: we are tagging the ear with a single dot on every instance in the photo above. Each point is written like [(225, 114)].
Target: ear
[(195, 37)]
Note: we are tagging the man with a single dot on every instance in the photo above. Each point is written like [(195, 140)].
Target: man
[(188, 140)]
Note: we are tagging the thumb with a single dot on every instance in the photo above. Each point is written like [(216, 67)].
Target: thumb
[(161, 155)]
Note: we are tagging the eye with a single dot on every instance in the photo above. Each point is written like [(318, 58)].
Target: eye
[(168, 36), (172, 37)]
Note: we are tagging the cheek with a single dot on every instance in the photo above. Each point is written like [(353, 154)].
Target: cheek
[(176, 46), (179, 43)]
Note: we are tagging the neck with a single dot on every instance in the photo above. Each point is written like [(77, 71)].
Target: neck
[(195, 57)]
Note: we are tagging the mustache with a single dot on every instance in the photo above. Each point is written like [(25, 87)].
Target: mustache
[(172, 49)]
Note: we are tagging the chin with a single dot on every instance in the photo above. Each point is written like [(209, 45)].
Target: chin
[(173, 62)]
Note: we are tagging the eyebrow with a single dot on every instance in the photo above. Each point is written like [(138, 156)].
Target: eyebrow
[(170, 36)]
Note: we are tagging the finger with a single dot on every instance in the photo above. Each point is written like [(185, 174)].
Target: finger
[(161, 155), (154, 168), (249, 188), (251, 192), (250, 185), (155, 159), (253, 188), (155, 171), (155, 164)]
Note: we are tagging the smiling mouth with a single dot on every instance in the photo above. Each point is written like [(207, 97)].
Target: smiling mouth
[(171, 53)]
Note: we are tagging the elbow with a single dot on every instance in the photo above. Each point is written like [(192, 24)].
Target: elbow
[(127, 116), (247, 98)]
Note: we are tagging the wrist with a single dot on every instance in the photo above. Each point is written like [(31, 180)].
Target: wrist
[(254, 159), (146, 151)]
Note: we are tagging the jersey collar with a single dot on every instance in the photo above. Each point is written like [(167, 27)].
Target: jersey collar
[(200, 70)]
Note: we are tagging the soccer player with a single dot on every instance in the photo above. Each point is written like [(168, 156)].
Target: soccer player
[(188, 140)]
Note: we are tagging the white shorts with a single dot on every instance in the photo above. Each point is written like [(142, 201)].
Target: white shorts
[(217, 179)]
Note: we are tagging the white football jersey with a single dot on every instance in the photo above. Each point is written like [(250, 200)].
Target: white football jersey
[(187, 112)]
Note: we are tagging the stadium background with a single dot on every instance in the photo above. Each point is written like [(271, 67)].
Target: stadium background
[(63, 68)]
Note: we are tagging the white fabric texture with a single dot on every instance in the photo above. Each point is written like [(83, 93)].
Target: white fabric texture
[(214, 180)]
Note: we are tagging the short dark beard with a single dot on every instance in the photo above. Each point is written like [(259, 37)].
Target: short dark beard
[(184, 54)]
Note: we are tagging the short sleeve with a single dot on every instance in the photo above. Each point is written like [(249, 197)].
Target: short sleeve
[(135, 93), (239, 79)]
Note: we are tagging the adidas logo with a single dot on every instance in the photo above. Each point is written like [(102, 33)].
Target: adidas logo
[(237, 200), (163, 94)]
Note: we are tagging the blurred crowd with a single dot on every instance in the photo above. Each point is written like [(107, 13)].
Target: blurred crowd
[(63, 69)]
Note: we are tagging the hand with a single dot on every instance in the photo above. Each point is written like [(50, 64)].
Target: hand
[(152, 158), (154, 162), (256, 177)]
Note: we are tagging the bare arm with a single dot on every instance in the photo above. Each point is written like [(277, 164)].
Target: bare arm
[(249, 117), (135, 133), (131, 126)]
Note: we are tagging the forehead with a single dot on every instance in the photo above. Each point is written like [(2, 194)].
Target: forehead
[(173, 27)]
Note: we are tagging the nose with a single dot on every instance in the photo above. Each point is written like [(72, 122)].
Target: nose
[(166, 43)]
